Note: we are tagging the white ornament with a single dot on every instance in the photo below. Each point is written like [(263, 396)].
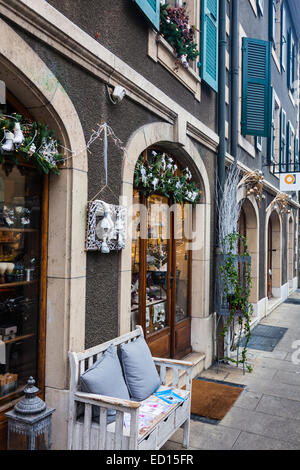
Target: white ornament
[(155, 182), (8, 145), (18, 135)]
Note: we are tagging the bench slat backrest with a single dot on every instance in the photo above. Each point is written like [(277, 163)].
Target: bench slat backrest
[(82, 361)]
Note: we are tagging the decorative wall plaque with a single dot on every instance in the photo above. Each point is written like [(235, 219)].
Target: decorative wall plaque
[(106, 227)]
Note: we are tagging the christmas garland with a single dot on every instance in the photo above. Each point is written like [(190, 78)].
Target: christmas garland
[(32, 141), (175, 28), (160, 175)]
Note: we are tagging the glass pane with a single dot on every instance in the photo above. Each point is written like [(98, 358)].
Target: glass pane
[(20, 248), (182, 220), (157, 264), (135, 260)]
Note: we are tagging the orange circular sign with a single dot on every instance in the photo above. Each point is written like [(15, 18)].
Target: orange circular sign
[(289, 179)]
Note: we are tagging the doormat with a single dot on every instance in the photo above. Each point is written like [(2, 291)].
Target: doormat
[(212, 399), (265, 337), (292, 301)]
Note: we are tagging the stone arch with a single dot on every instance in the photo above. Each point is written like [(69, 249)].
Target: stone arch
[(35, 86), (164, 134), (290, 249), (273, 216)]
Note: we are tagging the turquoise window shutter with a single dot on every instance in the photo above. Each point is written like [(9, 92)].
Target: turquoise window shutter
[(256, 88), (283, 41), (209, 42), (260, 7), (272, 21), (151, 9), (271, 146), (282, 139), (296, 156)]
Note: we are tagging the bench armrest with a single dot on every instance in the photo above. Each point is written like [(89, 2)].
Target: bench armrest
[(176, 367), (173, 362), (106, 402)]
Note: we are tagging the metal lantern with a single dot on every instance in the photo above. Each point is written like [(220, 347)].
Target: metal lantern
[(30, 417)]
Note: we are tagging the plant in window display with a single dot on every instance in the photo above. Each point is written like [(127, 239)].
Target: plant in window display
[(176, 29)]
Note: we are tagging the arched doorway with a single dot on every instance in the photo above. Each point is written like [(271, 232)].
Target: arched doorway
[(165, 135), (248, 227), (273, 255), (161, 284)]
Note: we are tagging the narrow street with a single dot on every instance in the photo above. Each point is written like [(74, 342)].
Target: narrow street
[(267, 413)]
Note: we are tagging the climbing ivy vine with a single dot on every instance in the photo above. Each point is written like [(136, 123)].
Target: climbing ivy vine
[(236, 291)]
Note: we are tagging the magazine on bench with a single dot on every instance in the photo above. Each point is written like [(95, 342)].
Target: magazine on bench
[(169, 396)]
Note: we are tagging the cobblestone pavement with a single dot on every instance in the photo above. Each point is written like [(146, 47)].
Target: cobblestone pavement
[(267, 414)]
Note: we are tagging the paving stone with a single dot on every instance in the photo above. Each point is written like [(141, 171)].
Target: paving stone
[(285, 377), (264, 424), (278, 406), (212, 437), (248, 400), (249, 441)]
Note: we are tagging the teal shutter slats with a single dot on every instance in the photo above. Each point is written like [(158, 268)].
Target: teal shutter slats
[(209, 43), (256, 99), (283, 41), (260, 7), (271, 147), (282, 140), (151, 9), (289, 147), (296, 156), (272, 21)]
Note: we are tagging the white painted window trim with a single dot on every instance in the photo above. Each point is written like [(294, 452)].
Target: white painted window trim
[(254, 6), (160, 51), (278, 103), (276, 60)]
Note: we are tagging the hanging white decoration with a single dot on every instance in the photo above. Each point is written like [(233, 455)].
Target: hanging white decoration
[(106, 227)]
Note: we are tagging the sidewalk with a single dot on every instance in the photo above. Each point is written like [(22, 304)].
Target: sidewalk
[(267, 413)]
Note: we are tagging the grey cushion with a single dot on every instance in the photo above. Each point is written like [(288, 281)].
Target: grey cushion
[(140, 372), (105, 377)]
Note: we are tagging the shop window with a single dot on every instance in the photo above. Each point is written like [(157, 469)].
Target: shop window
[(23, 255)]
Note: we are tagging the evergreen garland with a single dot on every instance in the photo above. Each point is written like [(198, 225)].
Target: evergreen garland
[(39, 146), (159, 174)]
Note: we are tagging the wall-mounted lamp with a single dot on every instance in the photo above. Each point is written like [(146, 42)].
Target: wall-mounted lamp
[(116, 94)]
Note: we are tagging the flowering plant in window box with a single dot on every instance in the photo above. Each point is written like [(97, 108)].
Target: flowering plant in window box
[(175, 28)]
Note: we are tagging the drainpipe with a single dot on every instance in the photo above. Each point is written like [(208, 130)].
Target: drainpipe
[(221, 94), (221, 117), (234, 77)]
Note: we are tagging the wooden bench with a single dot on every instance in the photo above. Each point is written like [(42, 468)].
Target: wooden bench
[(84, 433)]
